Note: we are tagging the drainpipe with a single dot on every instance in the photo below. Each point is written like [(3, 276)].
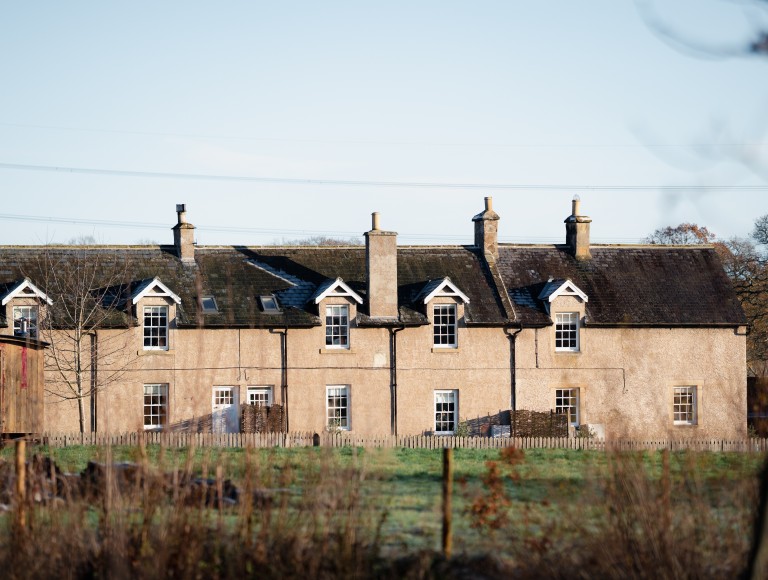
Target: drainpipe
[(283, 370), (2, 391), (94, 380), (393, 376), (513, 363)]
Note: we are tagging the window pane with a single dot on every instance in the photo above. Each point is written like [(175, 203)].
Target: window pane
[(25, 321), (156, 327), (260, 396), (684, 405), (567, 402), (566, 331), (337, 407), (445, 411), (444, 325), (337, 326), (155, 405)]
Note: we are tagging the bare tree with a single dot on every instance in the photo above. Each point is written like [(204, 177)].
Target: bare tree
[(683, 234), (321, 241), (87, 326)]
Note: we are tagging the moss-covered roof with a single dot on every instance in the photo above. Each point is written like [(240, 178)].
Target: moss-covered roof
[(630, 285)]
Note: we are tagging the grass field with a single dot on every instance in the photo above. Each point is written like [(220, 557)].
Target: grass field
[(379, 512)]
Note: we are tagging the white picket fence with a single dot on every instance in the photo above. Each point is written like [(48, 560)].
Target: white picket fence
[(336, 440)]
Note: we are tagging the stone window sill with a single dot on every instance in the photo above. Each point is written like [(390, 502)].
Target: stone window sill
[(445, 350), (337, 351)]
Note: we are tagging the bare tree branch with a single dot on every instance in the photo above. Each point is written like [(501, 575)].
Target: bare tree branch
[(89, 331)]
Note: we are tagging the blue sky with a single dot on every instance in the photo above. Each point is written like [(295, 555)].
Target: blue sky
[(484, 94)]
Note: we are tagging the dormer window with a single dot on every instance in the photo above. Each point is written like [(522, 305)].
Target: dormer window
[(337, 326), (444, 326), (336, 315), (25, 300), (155, 328), (25, 321), (445, 314), (155, 317), (567, 331)]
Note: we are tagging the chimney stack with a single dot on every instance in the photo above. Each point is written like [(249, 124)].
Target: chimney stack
[(577, 231), (486, 231), (381, 270), (184, 235)]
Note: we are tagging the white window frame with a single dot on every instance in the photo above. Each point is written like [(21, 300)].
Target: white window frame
[(567, 328), (30, 313), (222, 393), (685, 405), (153, 313), (260, 396), (569, 398), (446, 416), (338, 407), (156, 410), (445, 329), (337, 331)]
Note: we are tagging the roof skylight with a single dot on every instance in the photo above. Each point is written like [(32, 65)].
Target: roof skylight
[(209, 305), (269, 304)]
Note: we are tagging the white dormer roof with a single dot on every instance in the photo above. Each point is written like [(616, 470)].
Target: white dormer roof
[(555, 288), (153, 287), (25, 289), (443, 287), (336, 287)]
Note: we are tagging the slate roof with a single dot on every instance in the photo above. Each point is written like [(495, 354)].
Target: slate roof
[(416, 267), (626, 285), (236, 276)]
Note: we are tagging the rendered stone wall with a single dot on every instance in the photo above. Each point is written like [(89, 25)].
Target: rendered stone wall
[(625, 376)]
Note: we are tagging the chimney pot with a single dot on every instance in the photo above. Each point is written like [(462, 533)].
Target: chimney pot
[(375, 221), (576, 205), (489, 203)]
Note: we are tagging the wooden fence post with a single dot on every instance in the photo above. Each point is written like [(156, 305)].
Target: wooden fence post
[(21, 484), (447, 501)]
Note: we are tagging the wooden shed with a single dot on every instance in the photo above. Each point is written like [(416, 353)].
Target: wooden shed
[(22, 383)]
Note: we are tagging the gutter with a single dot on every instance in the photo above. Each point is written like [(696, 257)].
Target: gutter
[(663, 324)]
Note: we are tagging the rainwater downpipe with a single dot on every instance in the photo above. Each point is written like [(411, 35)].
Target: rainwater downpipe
[(283, 370), (513, 363), (393, 375), (94, 380)]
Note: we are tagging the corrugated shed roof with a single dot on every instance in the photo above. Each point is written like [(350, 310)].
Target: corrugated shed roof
[(637, 285)]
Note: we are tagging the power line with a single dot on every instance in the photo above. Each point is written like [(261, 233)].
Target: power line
[(394, 143), (366, 183), (281, 232)]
